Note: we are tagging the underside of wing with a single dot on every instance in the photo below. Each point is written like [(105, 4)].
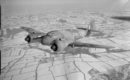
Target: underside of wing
[(32, 31), (79, 44)]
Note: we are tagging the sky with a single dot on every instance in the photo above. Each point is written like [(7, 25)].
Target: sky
[(14, 6)]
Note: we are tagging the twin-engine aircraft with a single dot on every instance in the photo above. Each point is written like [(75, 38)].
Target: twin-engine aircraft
[(58, 40)]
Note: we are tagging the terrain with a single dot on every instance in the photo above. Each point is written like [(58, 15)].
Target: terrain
[(20, 62)]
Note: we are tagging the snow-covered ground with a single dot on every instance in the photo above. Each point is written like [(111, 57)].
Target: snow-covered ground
[(19, 62)]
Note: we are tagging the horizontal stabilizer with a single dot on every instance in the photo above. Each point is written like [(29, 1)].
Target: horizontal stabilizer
[(88, 29)]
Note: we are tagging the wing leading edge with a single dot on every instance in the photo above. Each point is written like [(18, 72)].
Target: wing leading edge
[(123, 18), (79, 44), (32, 31)]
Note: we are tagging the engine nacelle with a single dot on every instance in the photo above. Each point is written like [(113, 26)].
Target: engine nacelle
[(58, 46), (28, 38)]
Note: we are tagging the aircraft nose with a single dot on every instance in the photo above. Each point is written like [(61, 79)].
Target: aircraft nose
[(28, 39)]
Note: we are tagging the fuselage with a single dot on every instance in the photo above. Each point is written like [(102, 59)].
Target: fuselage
[(66, 35)]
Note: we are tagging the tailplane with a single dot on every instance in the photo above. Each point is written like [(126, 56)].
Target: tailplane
[(90, 28)]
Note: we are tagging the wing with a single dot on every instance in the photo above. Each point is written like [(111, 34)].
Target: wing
[(32, 31), (79, 44), (123, 18)]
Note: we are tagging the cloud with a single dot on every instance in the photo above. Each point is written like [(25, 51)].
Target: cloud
[(91, 5), (124, 1)]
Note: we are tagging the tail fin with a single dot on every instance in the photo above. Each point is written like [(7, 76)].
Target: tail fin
[(90, 28)]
